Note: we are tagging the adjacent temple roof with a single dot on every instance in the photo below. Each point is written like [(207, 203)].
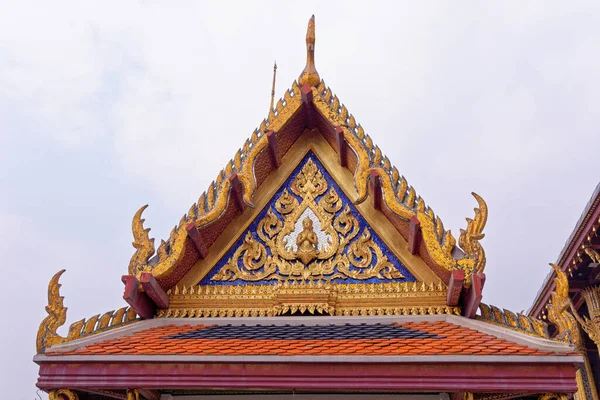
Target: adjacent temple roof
[(308, 247)]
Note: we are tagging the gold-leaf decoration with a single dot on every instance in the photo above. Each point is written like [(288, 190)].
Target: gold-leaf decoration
[(410, 200), (360, 133), (327, 96), (395, 175), (57, 316), (202, 204), (336, 104), (369, 144), (336, 253), (344, 114), (592, 254), (377, 156), (286, 203), (237, 160), (62, 394), (144, 246), (401, 192), (352, 122), (591, 324), (558, 310), (470, 237), (219, 179), (210, 196), (331, 202)]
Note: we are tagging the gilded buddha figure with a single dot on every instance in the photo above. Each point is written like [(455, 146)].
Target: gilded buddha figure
[(307, 242)]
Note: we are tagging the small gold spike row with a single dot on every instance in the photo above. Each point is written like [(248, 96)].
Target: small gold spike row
[(393, 298), (57, 315), (518, 322)]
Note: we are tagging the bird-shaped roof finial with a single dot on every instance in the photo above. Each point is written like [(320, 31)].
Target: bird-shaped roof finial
[(310, 76)]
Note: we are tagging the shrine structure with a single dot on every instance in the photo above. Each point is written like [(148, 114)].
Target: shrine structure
[(309, 268), (574, 283)]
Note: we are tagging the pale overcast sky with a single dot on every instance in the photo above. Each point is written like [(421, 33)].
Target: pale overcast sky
[(110, 105)]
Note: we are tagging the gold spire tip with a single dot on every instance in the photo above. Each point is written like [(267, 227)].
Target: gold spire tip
[(310, 76)]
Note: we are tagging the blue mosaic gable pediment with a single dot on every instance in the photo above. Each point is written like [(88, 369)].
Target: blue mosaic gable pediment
[(308, 231)]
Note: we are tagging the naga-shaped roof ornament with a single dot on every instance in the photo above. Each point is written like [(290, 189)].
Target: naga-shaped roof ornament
[(310, 76)]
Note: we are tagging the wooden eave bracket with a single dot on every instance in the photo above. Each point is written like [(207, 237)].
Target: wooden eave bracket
[(154, 291), (307, 100), (342, 147), (139, 301), (375, 189), (237, 192), (471, 296), (272, 140), (197, 240), (455, 287), (414, 235)]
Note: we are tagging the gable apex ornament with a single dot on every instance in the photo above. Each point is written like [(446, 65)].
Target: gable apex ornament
[(310, 76)]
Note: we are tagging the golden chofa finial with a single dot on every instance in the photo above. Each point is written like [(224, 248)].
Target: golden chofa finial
[(310, 76)]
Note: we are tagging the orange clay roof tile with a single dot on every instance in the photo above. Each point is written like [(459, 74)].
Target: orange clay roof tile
[(411, 338)]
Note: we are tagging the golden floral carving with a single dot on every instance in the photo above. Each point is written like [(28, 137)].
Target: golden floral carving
[(357, 259)]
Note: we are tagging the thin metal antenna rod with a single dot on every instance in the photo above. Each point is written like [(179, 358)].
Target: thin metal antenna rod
[(273, 87)]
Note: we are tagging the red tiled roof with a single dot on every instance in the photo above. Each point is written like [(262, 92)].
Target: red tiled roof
[(408, 338)]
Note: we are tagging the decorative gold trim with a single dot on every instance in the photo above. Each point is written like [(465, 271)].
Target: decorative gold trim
[(517, 322), (63, 394), (57, 315), (406, 298)]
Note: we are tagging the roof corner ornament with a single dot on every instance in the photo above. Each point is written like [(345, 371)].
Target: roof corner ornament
[(469, 238), (310, 76), (558, 310), (57, 316), (144, 246)]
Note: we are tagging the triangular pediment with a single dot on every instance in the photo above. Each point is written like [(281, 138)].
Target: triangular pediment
[(308, 231)]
